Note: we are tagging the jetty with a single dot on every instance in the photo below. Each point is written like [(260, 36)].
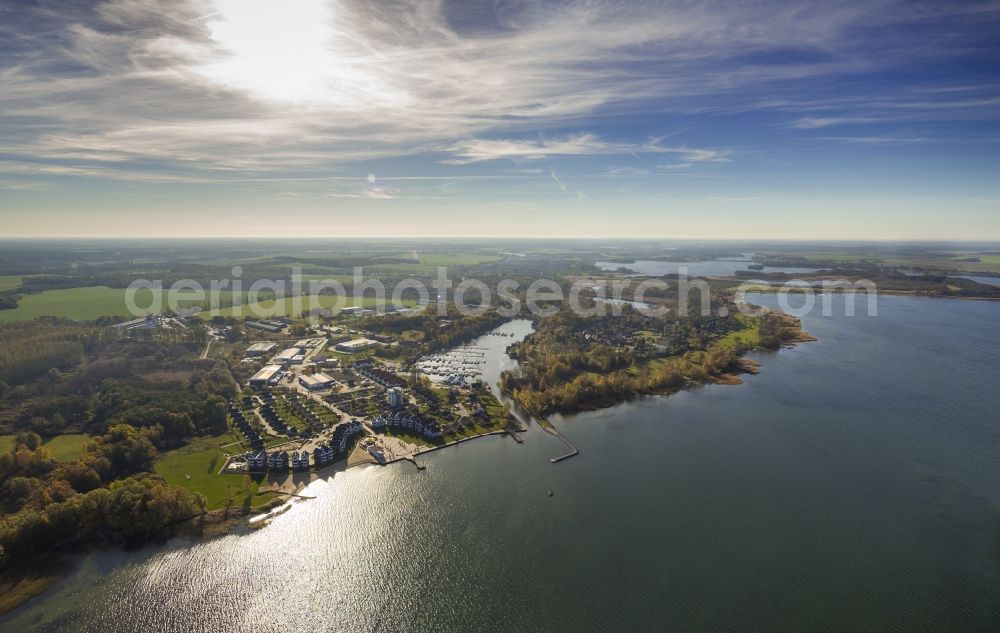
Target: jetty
[(573, 450), (413, 461), (514, 434)]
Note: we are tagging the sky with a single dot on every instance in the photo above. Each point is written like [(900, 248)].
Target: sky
[(356, 118)]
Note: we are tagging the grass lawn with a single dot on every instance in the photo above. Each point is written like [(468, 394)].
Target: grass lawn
[(64, 448), (749, 337), (196, 467)]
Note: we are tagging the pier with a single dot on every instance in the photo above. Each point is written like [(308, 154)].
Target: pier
[(573, 450), (413, 461)]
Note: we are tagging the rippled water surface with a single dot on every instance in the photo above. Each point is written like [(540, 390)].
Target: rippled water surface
[(714, 267), (853, 485)]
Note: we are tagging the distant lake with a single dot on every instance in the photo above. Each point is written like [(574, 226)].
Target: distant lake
[(710, 268), (983, 279), (624, 302), (853, 485), (989, 281)]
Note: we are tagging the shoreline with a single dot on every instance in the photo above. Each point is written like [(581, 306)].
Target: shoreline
[(770, 290), (359, 457), (222, 522)]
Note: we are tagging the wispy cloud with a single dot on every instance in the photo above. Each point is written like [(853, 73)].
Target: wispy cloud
[(893, 139), (125, 89), (584, 144), (811, 123), (558, 182)]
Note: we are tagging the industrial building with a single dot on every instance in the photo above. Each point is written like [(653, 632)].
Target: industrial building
[(145, 323), (268, 326), (357, 345), (309, 343), (288, 356), (268, 376), (259, 349), (317, 381), (352, 310)]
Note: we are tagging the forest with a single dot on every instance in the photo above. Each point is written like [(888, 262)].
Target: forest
[(572, 363), (133, 398)]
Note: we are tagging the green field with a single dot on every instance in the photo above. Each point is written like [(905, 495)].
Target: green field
[(457, 259), (196, 467), (287, 306), (748, 337), (82, 304), (305, 278), (428, 264), (9, 282), (86, 304), (64, 448)]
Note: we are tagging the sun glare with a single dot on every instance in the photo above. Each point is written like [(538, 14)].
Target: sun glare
[(275, 50)]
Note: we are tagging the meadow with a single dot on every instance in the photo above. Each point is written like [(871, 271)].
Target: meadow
[(64, 448), (9, 282), (294, 306), (196, 467), (83, 304)]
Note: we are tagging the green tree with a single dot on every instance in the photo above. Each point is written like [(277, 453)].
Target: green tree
[(29, 440)]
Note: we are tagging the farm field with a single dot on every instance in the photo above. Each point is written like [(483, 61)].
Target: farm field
[(9, 282), (289, 306), (81, 304)]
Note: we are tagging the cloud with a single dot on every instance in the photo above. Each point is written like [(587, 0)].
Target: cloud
[(810, 123), (583, 144), (558, 182), (876, 140), (215, 86)]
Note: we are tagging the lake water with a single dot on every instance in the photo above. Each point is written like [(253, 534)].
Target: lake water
[(989, 281), (710, 268), (853, 485)]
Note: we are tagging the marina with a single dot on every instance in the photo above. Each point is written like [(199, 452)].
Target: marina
[(461, 365)]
